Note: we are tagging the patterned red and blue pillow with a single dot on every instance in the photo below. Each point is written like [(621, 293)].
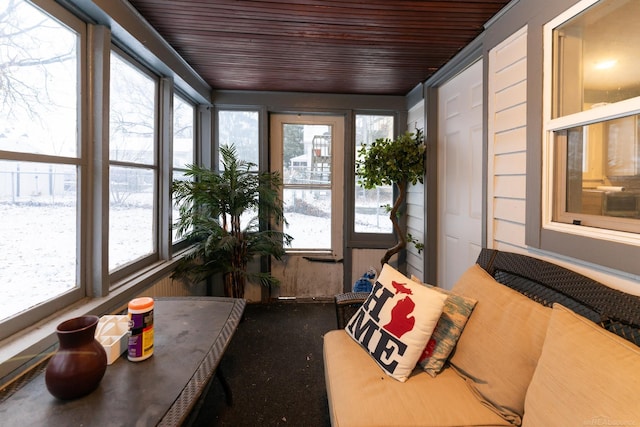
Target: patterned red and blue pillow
[(455, 314)]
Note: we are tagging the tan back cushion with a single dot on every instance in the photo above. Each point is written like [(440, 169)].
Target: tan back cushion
[(501, 343), (585, 376)]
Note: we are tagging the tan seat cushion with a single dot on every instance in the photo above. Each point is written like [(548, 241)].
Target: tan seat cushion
[(360, 394), (585, 376), (501, 343)]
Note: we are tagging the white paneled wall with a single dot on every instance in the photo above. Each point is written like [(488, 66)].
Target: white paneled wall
[(415, 201), (506, 188)]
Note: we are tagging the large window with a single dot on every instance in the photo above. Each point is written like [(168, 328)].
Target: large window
[(133, 163), (40, 163), (240, 129), (371, 206), (89, 139), (593, 152), (183, 144)]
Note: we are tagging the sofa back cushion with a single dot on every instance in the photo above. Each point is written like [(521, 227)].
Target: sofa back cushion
[(585, 376), (498, 351)]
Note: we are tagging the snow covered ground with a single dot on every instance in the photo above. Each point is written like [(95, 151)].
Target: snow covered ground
[(38, 250), (38, 253)]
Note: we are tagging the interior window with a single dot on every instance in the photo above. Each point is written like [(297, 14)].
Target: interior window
[(594, 127), (595, 57)]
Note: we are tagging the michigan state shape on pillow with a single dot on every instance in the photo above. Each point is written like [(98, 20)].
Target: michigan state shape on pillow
[(396, 321)]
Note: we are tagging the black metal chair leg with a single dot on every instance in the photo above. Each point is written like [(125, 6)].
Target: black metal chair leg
[(225, 386)]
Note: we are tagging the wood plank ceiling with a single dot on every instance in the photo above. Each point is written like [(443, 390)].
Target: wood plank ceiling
[(323, 46)]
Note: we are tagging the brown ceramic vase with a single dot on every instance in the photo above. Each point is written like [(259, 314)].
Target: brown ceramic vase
[(80, 362)]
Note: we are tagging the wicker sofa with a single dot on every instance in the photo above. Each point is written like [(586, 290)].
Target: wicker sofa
[(544, 346)]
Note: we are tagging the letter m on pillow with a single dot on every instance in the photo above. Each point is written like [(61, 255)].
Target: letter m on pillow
[(364, 327)]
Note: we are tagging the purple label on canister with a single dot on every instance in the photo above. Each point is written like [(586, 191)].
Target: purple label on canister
[(135, 345), (141, 335), (140, 320)]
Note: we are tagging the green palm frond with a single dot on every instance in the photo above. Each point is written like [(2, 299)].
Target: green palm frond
[(213, 207)]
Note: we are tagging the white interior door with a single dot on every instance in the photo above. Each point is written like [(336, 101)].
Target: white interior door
[(459, 174)]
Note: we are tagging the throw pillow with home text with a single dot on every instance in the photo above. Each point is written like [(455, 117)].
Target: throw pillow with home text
[(395, 322)]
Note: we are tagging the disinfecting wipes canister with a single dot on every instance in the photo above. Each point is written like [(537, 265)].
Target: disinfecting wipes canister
[(140, 313)]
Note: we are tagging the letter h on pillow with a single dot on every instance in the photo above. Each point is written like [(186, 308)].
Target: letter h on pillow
[(396, 321)]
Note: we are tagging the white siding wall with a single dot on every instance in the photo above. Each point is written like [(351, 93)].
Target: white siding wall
[(506, 189), (415, 202), (507, 172)]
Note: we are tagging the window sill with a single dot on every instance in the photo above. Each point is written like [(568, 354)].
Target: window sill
[(595, 233), (602, 251)]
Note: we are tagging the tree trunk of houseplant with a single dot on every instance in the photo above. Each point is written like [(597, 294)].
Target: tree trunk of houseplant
[(234, 283), (393, 216)]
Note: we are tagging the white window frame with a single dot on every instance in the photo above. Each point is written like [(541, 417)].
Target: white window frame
[(549, 152)]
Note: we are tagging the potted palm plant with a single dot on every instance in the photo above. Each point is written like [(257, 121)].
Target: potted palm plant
[(227, 218), (399, 162)]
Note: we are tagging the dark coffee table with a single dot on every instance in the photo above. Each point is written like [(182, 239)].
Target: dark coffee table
[(191, 335)]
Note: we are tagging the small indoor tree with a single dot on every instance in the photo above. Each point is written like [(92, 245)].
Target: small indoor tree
[(226, 216), (399, 162)]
